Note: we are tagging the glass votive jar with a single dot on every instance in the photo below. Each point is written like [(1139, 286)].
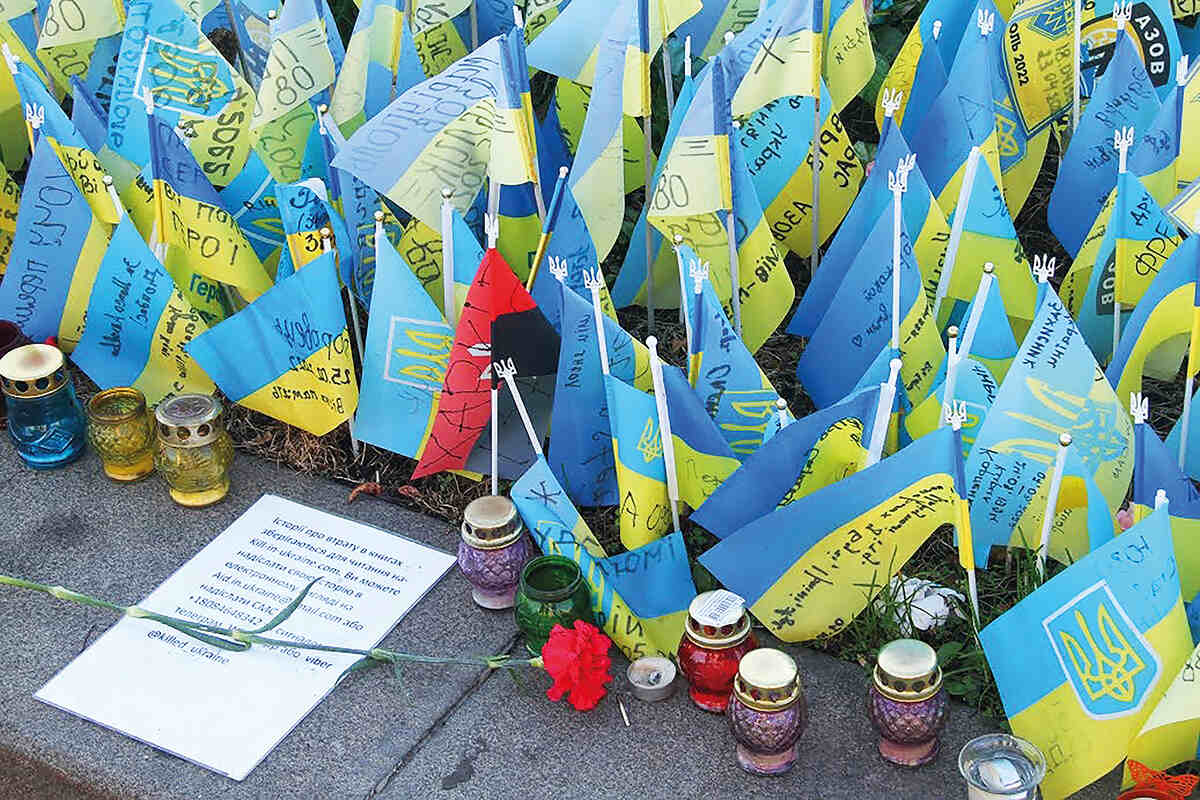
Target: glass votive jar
[(998, 766), (493, 550), (551, 592), (45, 422), (194, 451), (906, 702), (767, 711), (716, 635), (121, 432)]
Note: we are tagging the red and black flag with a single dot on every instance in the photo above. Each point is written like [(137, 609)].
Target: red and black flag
[(499, 320)]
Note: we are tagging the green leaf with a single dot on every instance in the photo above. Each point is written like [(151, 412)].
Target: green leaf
[(287, 612), (948, 651), (213, 641), (363, 663)]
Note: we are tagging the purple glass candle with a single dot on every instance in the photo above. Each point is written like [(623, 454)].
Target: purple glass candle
[(767, 711), (907, 703), (493, 551)]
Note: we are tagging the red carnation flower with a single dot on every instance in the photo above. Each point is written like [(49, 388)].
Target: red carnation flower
[(578, 661)]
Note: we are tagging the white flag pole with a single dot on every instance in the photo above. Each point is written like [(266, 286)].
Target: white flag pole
[(1060, 461), (507, 371), (449, 301), (593, 280), (956, 229), (1122, 141), (664, 428), (781, 408), (952, 362), (1139, 409), (1160, 499), (883, 413), (112, 195), (898, 185), (668, 79), (687, 56), (955, 413), (326, 247), (684, 316)]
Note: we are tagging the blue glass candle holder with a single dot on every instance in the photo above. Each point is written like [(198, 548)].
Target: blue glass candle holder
[(45, 421)]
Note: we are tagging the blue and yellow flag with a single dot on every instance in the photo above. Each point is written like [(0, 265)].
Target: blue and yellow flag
[(381, 62), (776, 56), (1124, 97), (708, 26), (801, 458), (200, 233), (1053, 387), (1156, 468), (1167, 313), (287, 354), (139, 325), (703, 460), (165, 53), (858, 325), (10, 201), (921, 213), (1155, 153), (299, 68), (847, 52), (845, 541), (251, 201), (404, 360), (1082, 661), (644, 507), (57, 250), (639, 598)]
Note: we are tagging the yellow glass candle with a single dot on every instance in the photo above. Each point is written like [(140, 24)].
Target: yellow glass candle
[(122, 433), (194, 450)]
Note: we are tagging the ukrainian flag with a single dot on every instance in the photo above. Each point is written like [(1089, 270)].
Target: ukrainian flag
[(975, 387), (1155, 153), (1082, 661), (844, 543), (776, 56), (14, 130), (848, 55), (287, 354), (203, 236), (140, 325), (52, 267), (1156, 467), (919, 69), (1170, 735), (645, 508), (703, 460), (364, 86), (799, 459), (255, 209), (1145, 239), (298, 41), (710, 24), (10, 201), (640, 597)]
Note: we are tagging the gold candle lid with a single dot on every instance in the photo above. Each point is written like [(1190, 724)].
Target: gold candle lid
[(32, 370), (491, 522), (717, 620), (906, 670), (767, 680), (189, 420)]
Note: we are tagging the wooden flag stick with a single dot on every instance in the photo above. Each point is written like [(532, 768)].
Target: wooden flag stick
[(593, 280), (664, 428), (1122, 141), (507, 370), (956, 229), (883, 414), (1060, 461), (549, 220)]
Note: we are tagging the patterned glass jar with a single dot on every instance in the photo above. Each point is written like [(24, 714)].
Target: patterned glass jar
[(552, 592), (711, 647), (45, 422), (767, 712), (493, 550), (194, 451), (121, 432), (907, 703)]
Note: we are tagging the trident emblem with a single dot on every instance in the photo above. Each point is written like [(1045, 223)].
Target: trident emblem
[(35, 115), (891, 100), (1139, 407), (986, 20), (1044, 267), (699, 271), (558, 268), (185, 80), (650, 443), (1122, 12)]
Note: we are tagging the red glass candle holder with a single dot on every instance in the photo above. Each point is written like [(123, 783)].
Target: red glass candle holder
[(709, 656)]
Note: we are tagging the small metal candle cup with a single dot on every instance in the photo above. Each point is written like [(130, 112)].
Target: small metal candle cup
[(493, 550), (716, 635), (907, 703), (998, 766), (194, 451), (767, 712), (45, 422), (121, 432), (651, 678), (552, 592)]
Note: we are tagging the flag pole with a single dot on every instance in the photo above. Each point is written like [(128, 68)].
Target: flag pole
[(735, 272), (475, 24), (31, 115), (781, 408), (685, 317), (1077, 34), (668, 79), (1192, 366), (816, 174), (549, 220), (495, 426), (958, 354), (952, 361), (449, 302), (158, 241), (698, 270), (898, 185), (883, 413), (491, 221), (1160, 499), (327, 247), (956, 415), (1122, 141), (116, 199), (956, 229), (1139, 409), (664, 428), (238, 38), (593, 280), (687, 56), (647, 171), (508, 371), (1060, 461)]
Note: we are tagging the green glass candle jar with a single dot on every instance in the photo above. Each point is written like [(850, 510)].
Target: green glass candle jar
[(122, 433), (194, 450), (552, 592)]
